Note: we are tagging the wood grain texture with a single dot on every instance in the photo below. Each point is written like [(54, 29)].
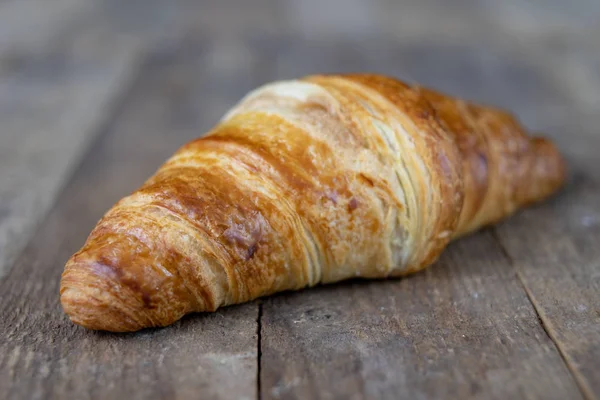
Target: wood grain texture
[(554, 246), (559, 265), (29, 27), (334, 17), (51, 105), (197, 357), (462, 329)]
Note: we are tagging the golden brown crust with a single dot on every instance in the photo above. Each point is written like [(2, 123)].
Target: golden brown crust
[(305, 182)]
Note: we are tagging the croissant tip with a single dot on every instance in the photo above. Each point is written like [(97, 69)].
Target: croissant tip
[(92, 313), (551, 167), (89, 303)]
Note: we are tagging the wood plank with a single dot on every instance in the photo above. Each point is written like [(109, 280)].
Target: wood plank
[(51, 105), (436, 19), (211, 356), (544, 16), (463, 329), (334, 17), (29, 27), (235, 18), (554, 248), (530, 23)]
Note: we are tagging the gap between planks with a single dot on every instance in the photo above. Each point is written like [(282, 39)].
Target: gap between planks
[(585, 390), (259, 350), (218, 356)]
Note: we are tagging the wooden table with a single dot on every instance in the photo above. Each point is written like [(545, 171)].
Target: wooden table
[(95, 95)]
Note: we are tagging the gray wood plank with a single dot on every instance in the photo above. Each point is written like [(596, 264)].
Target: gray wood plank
[(462, 329), (50, 107), (236, 18), (28, 27), (533, 17), (512, 22), (318, 18), (554, 248), (207, 356)]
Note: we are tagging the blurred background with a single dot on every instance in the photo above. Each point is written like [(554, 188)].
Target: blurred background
[(155, 74)]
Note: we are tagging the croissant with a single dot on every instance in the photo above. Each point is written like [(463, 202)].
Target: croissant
[(304, 182)]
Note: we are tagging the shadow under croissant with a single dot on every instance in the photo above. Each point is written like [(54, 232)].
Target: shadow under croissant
[(441, 282)]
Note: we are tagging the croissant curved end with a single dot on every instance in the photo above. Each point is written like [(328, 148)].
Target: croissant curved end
[(89, 299), (99, 296), (549, 169)]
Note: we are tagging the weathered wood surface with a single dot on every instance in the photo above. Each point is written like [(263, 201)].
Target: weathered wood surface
[(559, 266), (29, 27), (559, 262), (463, 329), (56, 90), (525, 294)]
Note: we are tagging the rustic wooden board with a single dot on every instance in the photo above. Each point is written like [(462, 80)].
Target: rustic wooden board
[(463, 329), (554, 246), (559, 265), (29, 27), (51, 104), (42, 355)]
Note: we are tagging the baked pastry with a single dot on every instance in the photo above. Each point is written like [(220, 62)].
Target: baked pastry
[(304, 182)]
